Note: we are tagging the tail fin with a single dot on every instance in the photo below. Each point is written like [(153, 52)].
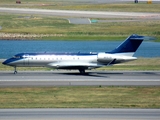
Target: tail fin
[(130, 45)]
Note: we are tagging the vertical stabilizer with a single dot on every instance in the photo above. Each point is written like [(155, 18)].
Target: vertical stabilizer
[(130, 45)]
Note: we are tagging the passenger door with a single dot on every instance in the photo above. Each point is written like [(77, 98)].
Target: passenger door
[(26, 60)]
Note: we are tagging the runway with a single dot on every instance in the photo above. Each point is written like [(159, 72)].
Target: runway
[(79, 114), (73, 78)]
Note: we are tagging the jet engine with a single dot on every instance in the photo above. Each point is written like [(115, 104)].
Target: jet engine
[(104, 57)]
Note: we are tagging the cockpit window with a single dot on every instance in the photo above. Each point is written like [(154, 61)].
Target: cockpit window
[(17, 57)]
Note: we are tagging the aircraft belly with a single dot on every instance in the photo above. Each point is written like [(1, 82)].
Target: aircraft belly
[(73, 64)]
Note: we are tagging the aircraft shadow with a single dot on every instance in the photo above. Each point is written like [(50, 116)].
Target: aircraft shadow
[(110, 73), (89, 74), (78, 74), (92, 74)]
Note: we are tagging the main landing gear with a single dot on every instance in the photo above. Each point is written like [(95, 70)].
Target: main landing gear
[(82, 71), (15, 70)]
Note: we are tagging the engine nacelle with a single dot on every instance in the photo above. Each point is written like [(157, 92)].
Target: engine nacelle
[(104, 57)]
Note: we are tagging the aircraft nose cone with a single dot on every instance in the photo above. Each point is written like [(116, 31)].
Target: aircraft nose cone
[(5, 62)]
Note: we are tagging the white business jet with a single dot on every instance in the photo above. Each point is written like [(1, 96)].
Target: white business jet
[(80, 61)]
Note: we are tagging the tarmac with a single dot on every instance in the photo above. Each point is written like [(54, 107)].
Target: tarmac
[(80, 114), (73, 78)]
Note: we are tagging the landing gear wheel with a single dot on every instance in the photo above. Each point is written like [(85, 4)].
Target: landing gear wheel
[(82, 71), (15, 70)]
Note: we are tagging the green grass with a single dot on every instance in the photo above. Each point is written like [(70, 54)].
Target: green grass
[(111, 7), (80, 97), (59, 28), (52, 28)]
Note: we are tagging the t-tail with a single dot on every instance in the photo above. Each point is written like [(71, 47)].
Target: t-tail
[(129, 46)]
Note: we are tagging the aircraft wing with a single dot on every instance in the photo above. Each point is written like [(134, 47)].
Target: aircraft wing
[(72, 65)]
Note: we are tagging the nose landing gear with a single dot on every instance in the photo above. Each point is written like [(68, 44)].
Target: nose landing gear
[(82, 71), (15, 70)]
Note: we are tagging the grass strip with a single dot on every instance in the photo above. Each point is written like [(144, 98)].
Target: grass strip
[(80, 97), (51, 28)]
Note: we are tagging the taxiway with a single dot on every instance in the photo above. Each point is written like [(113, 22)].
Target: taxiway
[(76, 13), (79, 114)]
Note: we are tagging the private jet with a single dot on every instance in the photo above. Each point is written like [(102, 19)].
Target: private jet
[(79, 61)]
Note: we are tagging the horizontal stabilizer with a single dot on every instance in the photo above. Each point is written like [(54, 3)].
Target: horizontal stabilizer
[(144, 38)]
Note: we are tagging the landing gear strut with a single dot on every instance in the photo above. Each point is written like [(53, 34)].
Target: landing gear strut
[(82, 71), (15, 70)]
